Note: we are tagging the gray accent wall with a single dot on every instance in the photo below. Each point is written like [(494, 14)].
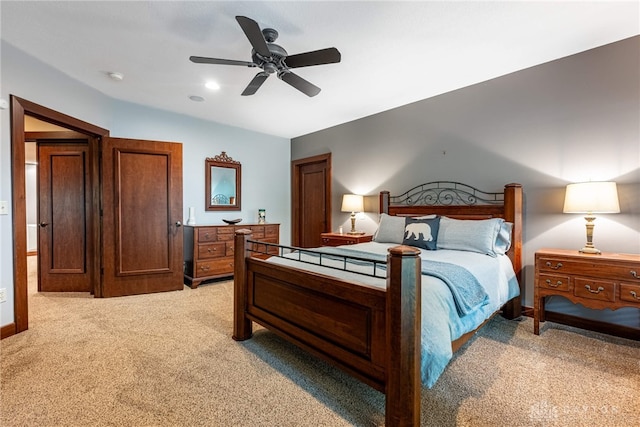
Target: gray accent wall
[(570, 120)]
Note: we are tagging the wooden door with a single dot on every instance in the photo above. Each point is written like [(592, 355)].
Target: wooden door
[(64, 213), (142, 214), (311, 200)]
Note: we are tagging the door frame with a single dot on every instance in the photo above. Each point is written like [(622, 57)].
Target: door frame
[(296, 165), (19, 108)]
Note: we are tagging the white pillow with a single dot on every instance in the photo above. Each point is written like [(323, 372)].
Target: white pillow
[(488, 236), (390, 229)]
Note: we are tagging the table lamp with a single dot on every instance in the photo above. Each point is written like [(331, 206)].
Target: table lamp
[(591, 198), (352, 203)]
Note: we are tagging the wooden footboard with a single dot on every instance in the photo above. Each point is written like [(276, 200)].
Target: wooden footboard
[(371, 333), (344, 323)]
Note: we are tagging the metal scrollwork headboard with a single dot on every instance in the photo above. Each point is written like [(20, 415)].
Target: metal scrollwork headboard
[(446, 193)]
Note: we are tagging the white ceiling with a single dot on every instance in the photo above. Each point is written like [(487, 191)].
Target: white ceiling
[(393, 53)]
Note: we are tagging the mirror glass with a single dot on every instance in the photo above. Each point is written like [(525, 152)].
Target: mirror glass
[(222, 186)]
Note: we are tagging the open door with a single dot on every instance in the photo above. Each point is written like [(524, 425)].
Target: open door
[(65, 238), (141, 217)]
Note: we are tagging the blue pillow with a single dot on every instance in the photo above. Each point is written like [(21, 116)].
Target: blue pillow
[(488, 236), (421, 233)]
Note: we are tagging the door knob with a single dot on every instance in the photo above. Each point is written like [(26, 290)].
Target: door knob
[(44, 224), (178, 224)]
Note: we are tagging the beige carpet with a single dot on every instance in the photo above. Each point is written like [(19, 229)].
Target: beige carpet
[(168, 360)]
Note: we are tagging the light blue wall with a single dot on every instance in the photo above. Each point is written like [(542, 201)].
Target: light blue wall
[(570, 120), (265, 159)]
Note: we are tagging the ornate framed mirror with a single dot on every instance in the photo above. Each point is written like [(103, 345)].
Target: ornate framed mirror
[(222, 183)]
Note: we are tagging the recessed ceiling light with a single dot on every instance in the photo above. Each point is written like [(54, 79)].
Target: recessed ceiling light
[(212, 85), (115, 76), (196, 98)]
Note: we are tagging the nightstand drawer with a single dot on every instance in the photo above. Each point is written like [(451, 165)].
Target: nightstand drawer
[(630, 293), (555, 282), (211, 250), (595, 289)]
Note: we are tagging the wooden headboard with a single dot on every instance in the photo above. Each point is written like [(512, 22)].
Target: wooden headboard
[(461, 201)]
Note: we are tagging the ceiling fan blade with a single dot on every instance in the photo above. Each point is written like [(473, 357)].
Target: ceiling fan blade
[(254, 34), (205, 60), (299, 83), (317, 57), (255, 83)]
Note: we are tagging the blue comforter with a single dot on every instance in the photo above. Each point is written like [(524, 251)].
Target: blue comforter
[(460, 290), (468, 293)]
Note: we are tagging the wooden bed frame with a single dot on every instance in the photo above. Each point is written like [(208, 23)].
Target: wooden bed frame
[(352, 326)]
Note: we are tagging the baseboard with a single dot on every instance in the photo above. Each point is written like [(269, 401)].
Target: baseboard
[(7, 330)]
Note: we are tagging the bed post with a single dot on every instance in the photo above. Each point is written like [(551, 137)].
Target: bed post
[(242, 328), (513, 214), (385, 199), (403, 382)]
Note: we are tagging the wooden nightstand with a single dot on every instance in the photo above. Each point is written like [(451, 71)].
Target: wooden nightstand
[(337, 239), (608, 280)]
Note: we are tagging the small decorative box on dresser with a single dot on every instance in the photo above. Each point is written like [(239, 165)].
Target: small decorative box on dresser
[(208, 249), (337, 239), (597, 281)]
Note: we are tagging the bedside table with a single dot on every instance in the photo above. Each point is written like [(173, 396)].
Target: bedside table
[(608, 280), (337, 239)]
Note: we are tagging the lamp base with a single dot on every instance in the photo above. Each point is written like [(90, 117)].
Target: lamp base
[(356, 233), (590, 250)]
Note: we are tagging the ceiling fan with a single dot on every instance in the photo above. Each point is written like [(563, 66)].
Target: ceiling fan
[(272, 58)]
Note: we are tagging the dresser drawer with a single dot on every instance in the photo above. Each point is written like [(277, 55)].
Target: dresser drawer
[(207, 234), (594, 289), (226, 233), (630, 293), (229, 248), (257, 232), (211, 250), (214, 267), (271, 231), (554, 281), (594, 268)]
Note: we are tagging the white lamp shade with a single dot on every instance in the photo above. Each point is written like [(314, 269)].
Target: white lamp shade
[(352, 203), (591, 197)]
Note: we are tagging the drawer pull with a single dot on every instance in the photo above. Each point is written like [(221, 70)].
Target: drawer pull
[(554, 285), (634, 274), (635, 295), (204, 268), (597, 291), (557, 266), (211, 250)]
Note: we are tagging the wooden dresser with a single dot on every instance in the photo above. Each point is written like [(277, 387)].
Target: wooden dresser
[(607, 280), (208, 249)]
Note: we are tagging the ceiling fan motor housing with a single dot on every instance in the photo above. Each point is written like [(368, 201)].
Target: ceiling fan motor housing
[(272, 64)]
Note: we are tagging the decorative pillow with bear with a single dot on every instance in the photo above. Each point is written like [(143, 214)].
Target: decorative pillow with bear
[(421, 232)]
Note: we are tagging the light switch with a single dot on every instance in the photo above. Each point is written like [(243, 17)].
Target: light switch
[(4, 207)]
